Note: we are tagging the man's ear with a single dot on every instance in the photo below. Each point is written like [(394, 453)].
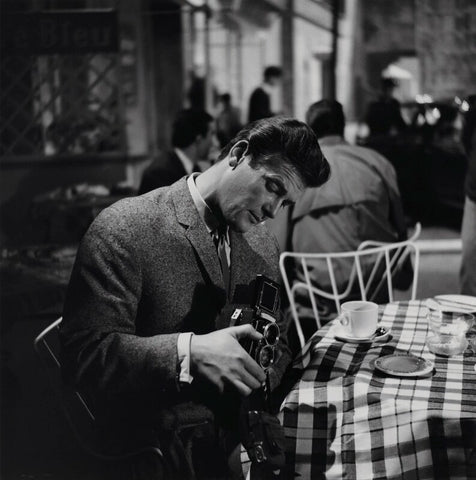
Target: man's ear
[(238, 153)]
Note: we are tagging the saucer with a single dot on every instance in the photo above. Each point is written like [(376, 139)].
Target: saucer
[(342, 333), (404, 365)]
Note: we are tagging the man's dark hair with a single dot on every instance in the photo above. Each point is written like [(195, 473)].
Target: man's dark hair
[(188, 124), (274, 142), (272, 72), (326, 117)]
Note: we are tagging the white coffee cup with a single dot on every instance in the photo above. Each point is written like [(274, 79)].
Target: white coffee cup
[(360, 317)]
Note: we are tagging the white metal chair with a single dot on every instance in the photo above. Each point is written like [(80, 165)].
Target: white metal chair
[(75, 408), (373, 268)]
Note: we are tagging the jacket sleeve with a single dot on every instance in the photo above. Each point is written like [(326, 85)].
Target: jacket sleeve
[(100, 347)]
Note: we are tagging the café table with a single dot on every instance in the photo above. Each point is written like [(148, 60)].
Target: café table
[(345, 419)]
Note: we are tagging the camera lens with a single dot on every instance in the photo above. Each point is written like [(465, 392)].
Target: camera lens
[(266, 356), (271, 334)]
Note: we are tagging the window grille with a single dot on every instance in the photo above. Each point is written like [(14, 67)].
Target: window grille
[(60, 104)]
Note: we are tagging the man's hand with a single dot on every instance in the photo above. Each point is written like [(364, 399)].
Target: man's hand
[(219, 357)]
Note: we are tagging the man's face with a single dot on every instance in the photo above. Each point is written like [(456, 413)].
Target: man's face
[(205, 144), (249, 196)]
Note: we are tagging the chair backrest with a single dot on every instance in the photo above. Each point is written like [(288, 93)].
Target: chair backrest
[(370, 271), (78, 413), (74, 406)]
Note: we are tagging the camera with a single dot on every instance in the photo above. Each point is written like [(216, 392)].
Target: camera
[(262, 314), (262, 434)]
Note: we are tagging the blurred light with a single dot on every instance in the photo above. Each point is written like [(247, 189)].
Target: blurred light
[(363, 130), (465, 106), (432, 116), (420, 121), (423, 98), (458, 100)]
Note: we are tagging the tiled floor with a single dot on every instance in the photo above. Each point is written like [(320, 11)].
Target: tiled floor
[(438, 273), (440, 258)]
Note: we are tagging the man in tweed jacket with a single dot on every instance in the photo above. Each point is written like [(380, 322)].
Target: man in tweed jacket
[(146, 320)]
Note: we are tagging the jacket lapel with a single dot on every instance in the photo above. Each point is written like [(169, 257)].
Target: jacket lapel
[(237, 262), (196, 231)]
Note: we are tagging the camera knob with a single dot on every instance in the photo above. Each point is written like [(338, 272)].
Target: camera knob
[(259, 454)]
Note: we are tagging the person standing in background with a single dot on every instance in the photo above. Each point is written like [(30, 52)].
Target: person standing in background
[(193, 136), (260, 100), (384, 117), (468, 229)]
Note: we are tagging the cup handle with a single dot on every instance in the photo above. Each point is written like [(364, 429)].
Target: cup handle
[(344, 318)]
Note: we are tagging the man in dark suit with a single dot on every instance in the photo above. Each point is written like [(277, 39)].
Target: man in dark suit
[(193, 135), (146, 320), (260, 100)]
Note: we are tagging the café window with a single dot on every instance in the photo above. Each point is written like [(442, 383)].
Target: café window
[(60, 84)]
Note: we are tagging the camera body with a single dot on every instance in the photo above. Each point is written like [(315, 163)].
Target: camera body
[(262, 434), (262, 314)]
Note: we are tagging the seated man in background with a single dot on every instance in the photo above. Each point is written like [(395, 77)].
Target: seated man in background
[(360, 202), (145, 331), (193, 135)]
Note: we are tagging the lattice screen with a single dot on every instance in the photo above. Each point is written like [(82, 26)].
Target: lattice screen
[(57, 104)]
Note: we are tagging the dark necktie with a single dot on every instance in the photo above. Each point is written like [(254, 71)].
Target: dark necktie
[(219, 238)]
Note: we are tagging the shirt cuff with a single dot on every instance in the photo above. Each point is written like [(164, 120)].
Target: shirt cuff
[(183, 352)]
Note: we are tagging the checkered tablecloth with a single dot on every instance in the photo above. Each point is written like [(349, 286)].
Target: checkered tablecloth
[(344, 419)]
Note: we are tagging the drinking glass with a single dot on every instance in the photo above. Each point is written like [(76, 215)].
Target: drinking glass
[(448, 330), (471, 338)]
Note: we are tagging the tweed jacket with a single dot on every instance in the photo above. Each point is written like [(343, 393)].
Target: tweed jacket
[(146, 270)]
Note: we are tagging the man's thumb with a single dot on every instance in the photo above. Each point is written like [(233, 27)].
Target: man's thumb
[(245, 331)]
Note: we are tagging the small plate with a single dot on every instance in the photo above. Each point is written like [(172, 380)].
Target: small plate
[(457, 303), (404, 365), (341, 333)]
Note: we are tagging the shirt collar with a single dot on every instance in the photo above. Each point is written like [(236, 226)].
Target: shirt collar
[(204, 211), (186, 162)]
